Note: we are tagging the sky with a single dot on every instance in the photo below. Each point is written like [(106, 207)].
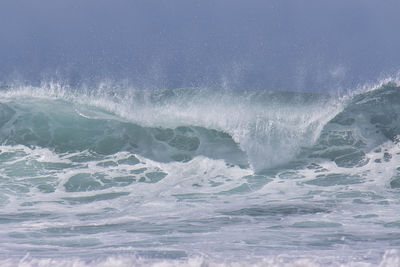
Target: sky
[(298, 45)]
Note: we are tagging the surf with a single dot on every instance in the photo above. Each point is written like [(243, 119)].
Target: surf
[(167, 176)]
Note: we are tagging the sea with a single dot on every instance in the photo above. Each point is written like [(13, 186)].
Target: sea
[(199, 177)]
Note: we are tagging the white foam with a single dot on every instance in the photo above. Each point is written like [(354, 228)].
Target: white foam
[(391, 258)]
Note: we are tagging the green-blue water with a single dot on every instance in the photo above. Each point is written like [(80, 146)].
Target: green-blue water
[(199, 176)]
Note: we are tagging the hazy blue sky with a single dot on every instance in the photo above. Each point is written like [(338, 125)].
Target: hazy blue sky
[(264, 44)]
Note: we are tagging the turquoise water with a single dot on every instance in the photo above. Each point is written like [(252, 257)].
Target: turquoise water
[(199, 176)]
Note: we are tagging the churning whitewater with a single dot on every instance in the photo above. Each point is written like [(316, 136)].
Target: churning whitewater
[(199, 176)]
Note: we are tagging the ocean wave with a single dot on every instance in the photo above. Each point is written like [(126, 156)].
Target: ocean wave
[(257, 129), (168, 176)]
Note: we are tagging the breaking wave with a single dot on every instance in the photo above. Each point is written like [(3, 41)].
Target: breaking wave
[(196, 176), (257, 129)]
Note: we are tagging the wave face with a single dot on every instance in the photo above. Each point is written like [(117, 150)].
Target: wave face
[(198, 175), (64, 128)]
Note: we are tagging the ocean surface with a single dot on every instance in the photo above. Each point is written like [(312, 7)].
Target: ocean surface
[(199, 177)]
